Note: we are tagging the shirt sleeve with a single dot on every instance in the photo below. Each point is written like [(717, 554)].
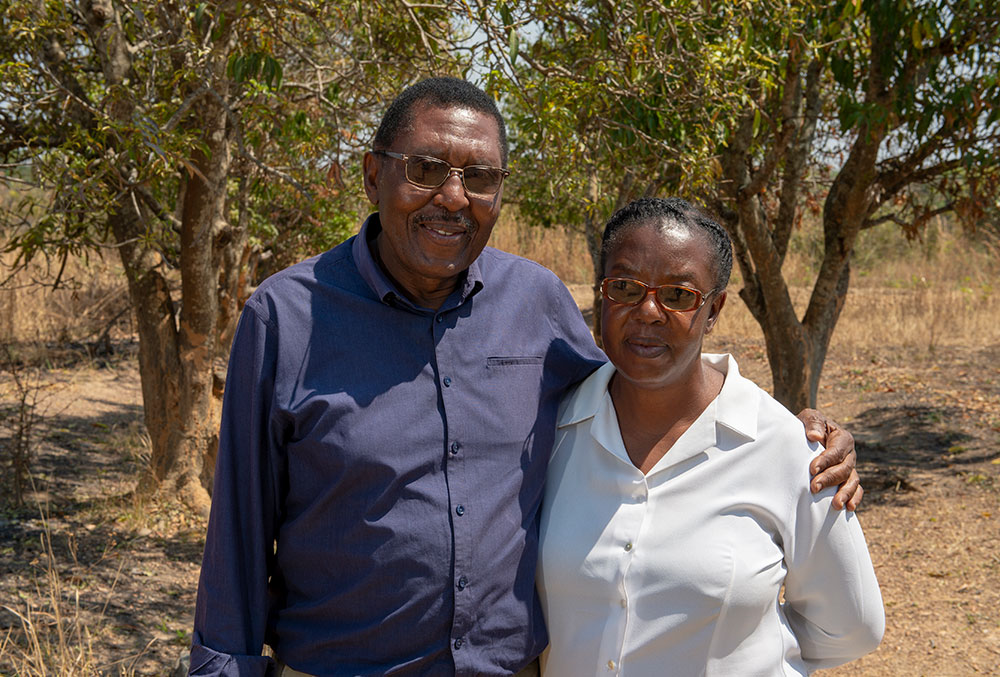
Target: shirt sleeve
[(574, 354), (232, 605), (832, 598)]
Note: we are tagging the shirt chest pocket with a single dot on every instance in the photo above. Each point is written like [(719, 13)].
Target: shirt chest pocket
[(496, 363), (510, 395)]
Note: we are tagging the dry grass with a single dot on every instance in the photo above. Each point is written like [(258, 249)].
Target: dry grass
[(923, 295), (927, 295), (91, 299), (50, 633), (560, 248)]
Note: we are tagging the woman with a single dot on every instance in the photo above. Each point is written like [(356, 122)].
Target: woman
[(677, 504)]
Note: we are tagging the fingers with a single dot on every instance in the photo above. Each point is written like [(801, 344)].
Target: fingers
[(837, 464), (849, 494), (815, 424), (855, 501), (829, 471), (839, 449)]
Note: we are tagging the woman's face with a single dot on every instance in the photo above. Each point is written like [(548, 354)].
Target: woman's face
[(652, 347)]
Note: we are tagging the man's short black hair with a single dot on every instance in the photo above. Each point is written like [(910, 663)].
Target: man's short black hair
[(665, 212), (440, 92)]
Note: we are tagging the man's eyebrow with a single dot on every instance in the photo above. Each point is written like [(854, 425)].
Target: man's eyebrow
[(477, 162)]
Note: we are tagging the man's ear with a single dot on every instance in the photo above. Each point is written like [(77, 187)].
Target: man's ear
[(370, 169), (714, 310)]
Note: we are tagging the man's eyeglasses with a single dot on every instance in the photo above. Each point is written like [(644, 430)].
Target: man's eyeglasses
[(672, 297), (430, 172)]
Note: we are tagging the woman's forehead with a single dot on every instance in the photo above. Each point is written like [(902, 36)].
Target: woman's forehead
[(677, 247), (660, 237)]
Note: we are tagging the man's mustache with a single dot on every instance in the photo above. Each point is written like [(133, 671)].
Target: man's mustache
[(445, 217)]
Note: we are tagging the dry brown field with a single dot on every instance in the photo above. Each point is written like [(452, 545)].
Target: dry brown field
[(97, 580)]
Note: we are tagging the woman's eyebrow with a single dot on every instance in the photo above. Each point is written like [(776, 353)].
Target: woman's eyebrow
[(626, 269)]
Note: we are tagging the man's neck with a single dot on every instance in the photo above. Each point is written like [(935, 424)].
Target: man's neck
[(432, 296)]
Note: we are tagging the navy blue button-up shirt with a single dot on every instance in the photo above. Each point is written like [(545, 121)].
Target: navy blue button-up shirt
[(380, 470)]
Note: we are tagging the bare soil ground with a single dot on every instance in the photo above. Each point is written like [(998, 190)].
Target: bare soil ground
[(928, 434)]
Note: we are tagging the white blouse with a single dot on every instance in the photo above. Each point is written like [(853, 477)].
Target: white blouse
[(680, 572)]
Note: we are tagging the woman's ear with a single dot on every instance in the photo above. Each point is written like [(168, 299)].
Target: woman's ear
[(714, 310)]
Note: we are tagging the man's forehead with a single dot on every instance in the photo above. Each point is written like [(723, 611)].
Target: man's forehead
[(422, 110), (429, 122)]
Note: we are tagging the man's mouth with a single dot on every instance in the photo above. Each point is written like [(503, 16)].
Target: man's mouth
[(444, 233), (450, 228)]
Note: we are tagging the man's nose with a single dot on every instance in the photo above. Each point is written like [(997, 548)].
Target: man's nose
[(451, 194)]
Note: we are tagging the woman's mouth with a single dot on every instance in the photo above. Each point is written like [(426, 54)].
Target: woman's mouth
[(646, 346)]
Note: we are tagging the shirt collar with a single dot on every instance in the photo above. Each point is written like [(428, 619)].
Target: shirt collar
[(584, 400), (470, 283), (735, 406), (739, 399)]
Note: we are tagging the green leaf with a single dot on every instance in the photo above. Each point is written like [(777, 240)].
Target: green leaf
[(199, 14), (513, 42), (272, 72)]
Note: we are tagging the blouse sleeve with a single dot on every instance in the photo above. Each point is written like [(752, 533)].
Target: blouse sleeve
[(832, 598)]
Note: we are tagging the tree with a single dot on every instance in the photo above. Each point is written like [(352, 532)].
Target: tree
[(893, 100), (600, 99), (187, 136), (881, 111)]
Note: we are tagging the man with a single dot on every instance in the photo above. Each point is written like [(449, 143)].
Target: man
[(389, 413)]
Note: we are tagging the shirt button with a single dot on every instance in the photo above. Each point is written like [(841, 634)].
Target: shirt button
[(611, 665), (624, 603), (459, 642), (455, 446), (460, 510), (447, 381), (462, 582), (628, 547), (440, 318)]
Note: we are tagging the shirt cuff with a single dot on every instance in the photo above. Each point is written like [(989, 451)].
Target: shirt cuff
[(207, 662)]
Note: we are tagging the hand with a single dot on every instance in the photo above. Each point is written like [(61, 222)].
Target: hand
[(836, 465)]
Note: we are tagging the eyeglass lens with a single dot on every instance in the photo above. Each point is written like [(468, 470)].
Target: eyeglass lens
[(631, 292), (429, 172)]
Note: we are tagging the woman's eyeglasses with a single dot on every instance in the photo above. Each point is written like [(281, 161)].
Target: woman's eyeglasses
[(430, 172), (672, 297)]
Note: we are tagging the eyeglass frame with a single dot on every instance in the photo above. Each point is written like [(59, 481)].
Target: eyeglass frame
[(504, 173), (701, 297)]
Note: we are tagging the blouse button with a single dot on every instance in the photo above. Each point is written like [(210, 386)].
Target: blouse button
[(628, 547)]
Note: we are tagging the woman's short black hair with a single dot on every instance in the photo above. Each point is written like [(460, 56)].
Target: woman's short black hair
[(440, 92), (666, 211)]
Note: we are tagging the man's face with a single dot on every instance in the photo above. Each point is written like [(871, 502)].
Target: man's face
[(431, 235)]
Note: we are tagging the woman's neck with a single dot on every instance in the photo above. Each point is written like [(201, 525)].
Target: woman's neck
[(652, 419)]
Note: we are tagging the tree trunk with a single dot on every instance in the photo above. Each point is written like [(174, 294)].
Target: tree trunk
[(796, 352), (178, 351), (203, 218), (592, 233), (159, 360)]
